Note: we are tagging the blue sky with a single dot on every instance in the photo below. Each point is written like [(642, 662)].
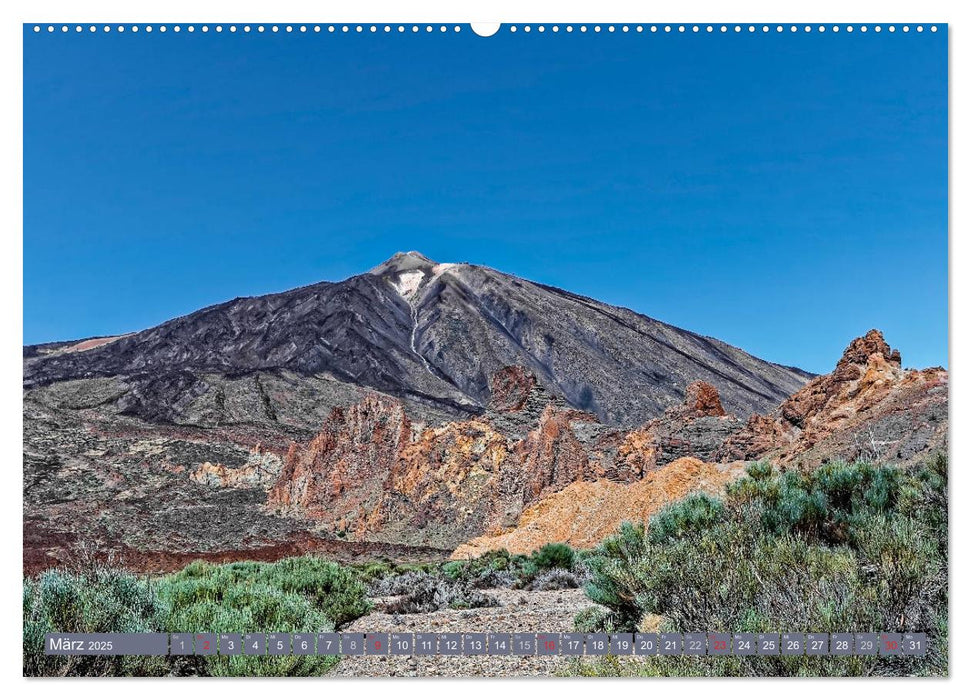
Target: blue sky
[(781, 192)]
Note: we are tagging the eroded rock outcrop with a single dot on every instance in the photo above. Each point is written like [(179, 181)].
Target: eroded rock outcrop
[(583, 513), (552, 456), (511, 388), (695, 428), (261, 469), (701, 400), (869, 407), (518, 402), (371, 474), (339, 476)]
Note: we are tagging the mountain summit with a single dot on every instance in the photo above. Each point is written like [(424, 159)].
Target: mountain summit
[(431, 334), (404, 262)]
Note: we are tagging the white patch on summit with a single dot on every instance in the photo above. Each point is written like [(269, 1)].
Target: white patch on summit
[(407, 283)]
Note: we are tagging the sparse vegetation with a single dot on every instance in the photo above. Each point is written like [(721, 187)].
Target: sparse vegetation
[(554, 580), (458, 584), (499, 568), (423, 592), (845, 548)]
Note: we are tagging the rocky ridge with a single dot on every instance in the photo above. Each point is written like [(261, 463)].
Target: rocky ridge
[(372, 474), (867, 408)]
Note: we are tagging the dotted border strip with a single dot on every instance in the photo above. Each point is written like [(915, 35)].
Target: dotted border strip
[(511, 28)]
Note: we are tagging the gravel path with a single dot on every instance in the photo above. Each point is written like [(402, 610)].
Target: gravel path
[(518, 611)]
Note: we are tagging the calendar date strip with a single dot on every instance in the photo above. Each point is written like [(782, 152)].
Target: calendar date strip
[(495, 643)]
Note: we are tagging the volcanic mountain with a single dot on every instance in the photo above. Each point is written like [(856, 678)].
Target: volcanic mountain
[(412, 409), (432, 335)]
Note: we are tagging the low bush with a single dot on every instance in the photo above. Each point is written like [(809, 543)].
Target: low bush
[(422, 593), (554, 556), (304, 594), (301, 594), (101, 600), (336, 591), (500, 569), (554, 580), (375, 571), (845, 548)]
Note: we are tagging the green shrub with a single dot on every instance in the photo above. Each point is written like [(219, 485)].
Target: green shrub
[(98, 601), (495, 569), (334, 590), (554, 556), (846, 548), (374, 571), (303, 594), (495, 560), (695, 513), (246, 608), (456, 570)]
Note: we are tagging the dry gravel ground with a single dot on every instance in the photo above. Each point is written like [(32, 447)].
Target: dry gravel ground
[(518, 611)]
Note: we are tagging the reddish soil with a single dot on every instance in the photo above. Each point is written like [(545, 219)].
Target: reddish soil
[(44, 549)]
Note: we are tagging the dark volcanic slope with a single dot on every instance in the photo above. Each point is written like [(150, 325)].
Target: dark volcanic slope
[(431, 334)]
